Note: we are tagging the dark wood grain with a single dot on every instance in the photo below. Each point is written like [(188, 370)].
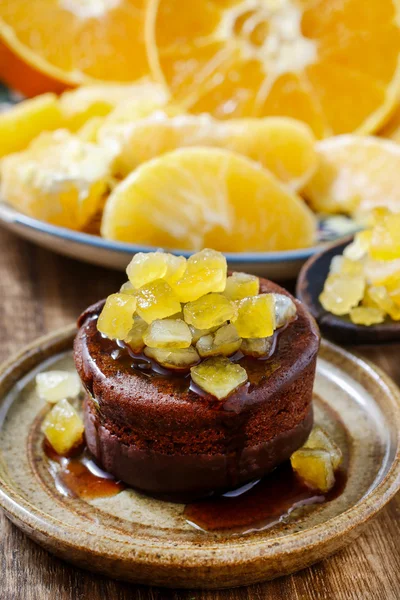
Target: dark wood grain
[(39, 292)]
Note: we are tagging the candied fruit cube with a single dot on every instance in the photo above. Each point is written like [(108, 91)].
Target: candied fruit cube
[(178, 358), (359, 248), (205, 272), (257, 347), (285, 309), (256, 316), (241, 285), (146, 267), (176, 267), (134, 339), (63, 427), (218, 376), (382, 272), (168, 333), (53, 386), (156, 300), (382, 299), (342, 292), (224, 342), (127, 288), (208, 311), (341, 264), (385, 242), (315, 467), (366, 315), (198, 333), (116, 318), (319, 438)]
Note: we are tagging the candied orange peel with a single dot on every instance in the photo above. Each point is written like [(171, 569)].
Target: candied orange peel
[(188, 313), (364, 282)]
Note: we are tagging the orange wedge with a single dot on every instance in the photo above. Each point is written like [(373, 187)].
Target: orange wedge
[(283, 145), (24, 121), (58, 178), (356, 174), (207, 197), (333, 64), (74, 42)]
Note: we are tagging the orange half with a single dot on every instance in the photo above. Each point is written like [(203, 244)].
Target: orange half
[(334, 65), (72, 42)]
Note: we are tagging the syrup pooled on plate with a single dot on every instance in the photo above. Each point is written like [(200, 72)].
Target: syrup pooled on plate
[(259, 505), (78, 476)]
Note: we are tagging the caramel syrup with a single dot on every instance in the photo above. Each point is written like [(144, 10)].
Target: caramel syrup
[(79, 476), (259, 505)]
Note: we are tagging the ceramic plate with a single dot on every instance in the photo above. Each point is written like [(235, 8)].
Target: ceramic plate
[(136, 538), (116, 255)]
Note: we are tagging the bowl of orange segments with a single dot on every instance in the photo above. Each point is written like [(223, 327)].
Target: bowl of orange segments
[(243, 126)]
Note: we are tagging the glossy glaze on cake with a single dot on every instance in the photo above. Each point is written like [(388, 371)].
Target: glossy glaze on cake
[(157, 432)]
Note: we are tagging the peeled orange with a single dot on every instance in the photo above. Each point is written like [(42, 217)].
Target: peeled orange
[(76, 42), (207, 197), (58, 178), (355, 175), (283, 145), (333, 64), (24, 121)]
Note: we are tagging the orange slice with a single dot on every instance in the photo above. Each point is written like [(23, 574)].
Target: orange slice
[(81, 104), (58, 178), (75, 42), (24, 121), (334, 65), (207, 197), (356, 174), (283, 145)]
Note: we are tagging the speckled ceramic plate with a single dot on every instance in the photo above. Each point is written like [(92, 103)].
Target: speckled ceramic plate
[(133, 537)]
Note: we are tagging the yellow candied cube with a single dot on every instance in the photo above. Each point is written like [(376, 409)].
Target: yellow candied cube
[(146, 267), (205, 272), (127, 288), (224, 342), (208, 311), (342, 292), (116, 318), (176, 358), (55, 385), (366, 315), (256, 347), (218, 376), (315, 467), (156, 300), (241, 285), (176, 267), (341, 264), (256, 316), (380, 296), (168, 333), (285, 309), (385, 242), (359, 248), (382, 272), (63, 427), (320, 439), (199, 333), (134, 339)]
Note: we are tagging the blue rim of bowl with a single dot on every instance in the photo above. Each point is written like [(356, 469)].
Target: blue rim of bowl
[(10, 215)]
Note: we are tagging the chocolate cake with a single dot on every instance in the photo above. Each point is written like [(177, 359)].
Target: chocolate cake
[(158, 432)]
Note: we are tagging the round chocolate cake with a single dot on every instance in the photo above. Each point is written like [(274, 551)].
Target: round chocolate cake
[(158, 432)]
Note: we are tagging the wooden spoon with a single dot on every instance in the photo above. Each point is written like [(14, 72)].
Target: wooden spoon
[(340, 329)]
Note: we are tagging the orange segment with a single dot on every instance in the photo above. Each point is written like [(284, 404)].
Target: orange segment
[(24, 121), (355, 175), (76, 42), (284, 146), (305, 59), (207, 197)]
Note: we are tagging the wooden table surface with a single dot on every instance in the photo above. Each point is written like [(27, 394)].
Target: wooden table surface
[(40, 292)]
